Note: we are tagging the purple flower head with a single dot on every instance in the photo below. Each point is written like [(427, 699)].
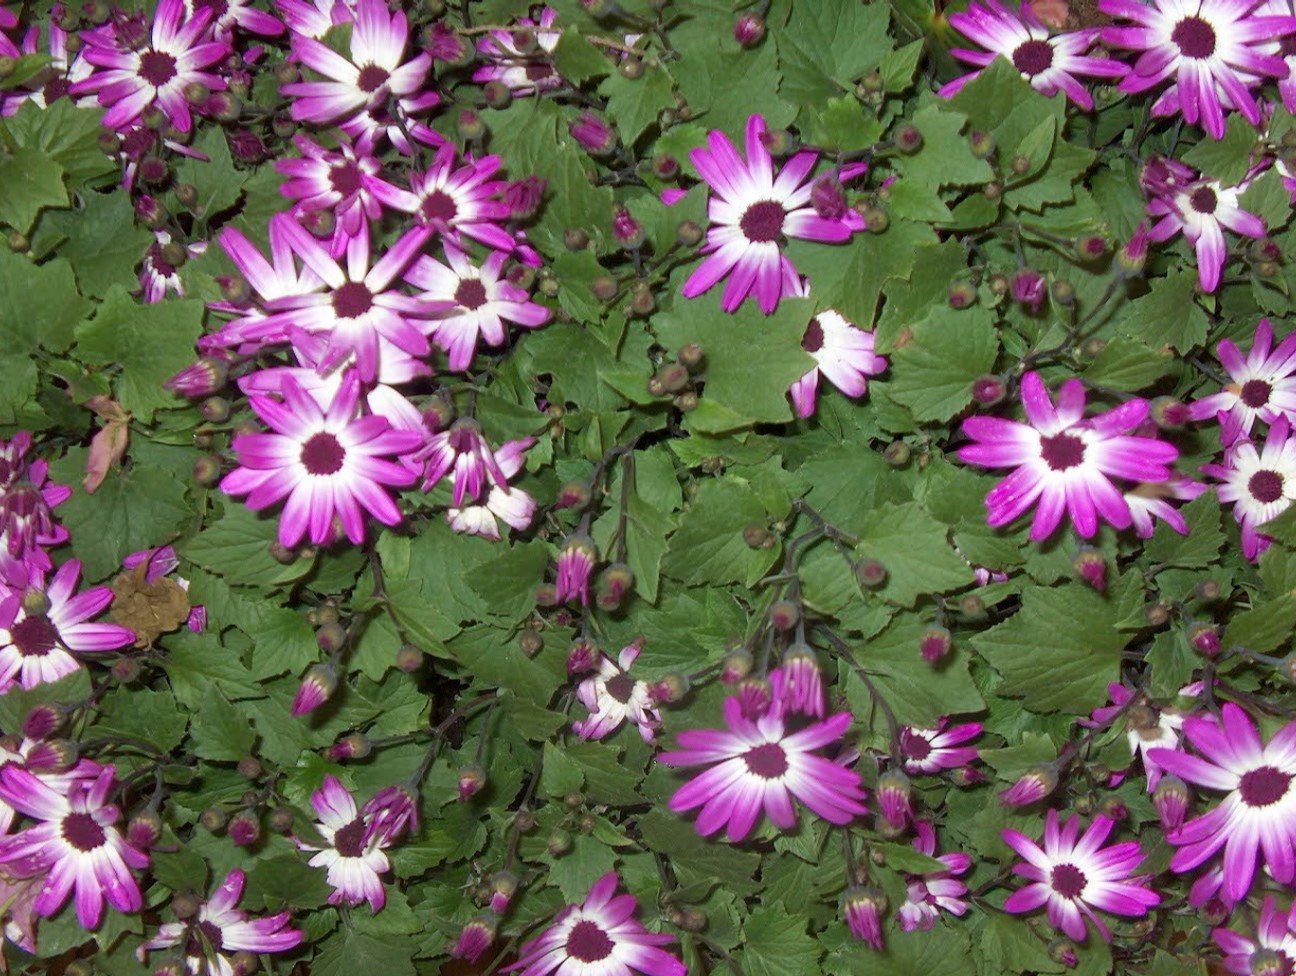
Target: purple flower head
[(1261, 483), (455, 200), (1064, 460), (613, 698), (593, 134), (1203, 210), (463, 450), (1274, 943), (932, 750), (863, 909), (201, 379), (316, 688), (1171, 801), (930, 894), (1072, 875), (1049, 63), (1213, 49), (354, 859), (803, 687), (522, 73), (1262, 385), (1146, 726), (759, 765), (523, 197), (843, 354), (1031, 787), (220, 929), (751, 213), (344, 182), (512, 506), (599, 935), (1028, 289), (27, 504), (314, 18), (474, 939), (1151, 501), (1257, 818), (575, 564), (893, 796), (391, 813)]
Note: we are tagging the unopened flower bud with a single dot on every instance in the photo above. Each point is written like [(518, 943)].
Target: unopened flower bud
[(331, 637), (754, 695), (1090, 247), (244, 828), (1063, 952), (213, 819), (629, 233), (614, 584), (972, 606), (934, 644), (409, 658), (125, 670), (1168, 413), (244, 963), (631, 68), (897, 454), (691, 356), (961, 295), (19, 242), (530, 642), (908, 139), (749, 29), (144, 830), (185, 905), (1091, 566), (1207, 591), (558, 843), (316, 688), (353, 746), (1171, 801), (1113, 808), (871, 573), (828, 197), (784, 614), (582, 656), (1062, 292), (281, 820), (471, 780), (665, 166), (249, 767), (673, 686), (876, 220), (207, 470), (737, 665), (673, 377), (35, 602), (42, 721), (593, 134), (756, 535), (575, 239), (779, 142), (893, 790), (604, 288), (470, 125), (981, 143), (546, 595), (863, 909), (689, 232), (1205, 638), (1035, 784), (1020, 165)]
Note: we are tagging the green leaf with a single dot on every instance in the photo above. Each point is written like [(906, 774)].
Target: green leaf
[(196, 662), (636, 103), (41, 304), (1169, 314), (916, 551), (150, 716), (697, 859), (1227, 160), (708, 547), (350, 952), (1268, 199), (829, 52), (1001, 102), (843, 124), (577, 59), (1128, 364), (932, 373), (218, 183), (1200, 546), (945, 158), (102, 242), (723, 88), (218, 731), (18, 701), (33, 180), (1264, 627), (285, 643), (776, 943), (286, 881), (67, 134), (575, 872), (1058, 652), (918, 694), (17, 389), (237, 546), (507, 583)]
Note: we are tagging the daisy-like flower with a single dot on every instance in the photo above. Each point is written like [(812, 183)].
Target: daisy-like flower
[(56, 80), (843, 353), (1262, 385), (1049, 63), (600, 937), (756, 764), (1283, 48), (463, 449), (314, 18), (1275, 939), (1212, 48), (344, 182), (1065, 461), (481, 299), (231, 14), (376, 72), (77, 844), (358, 305), (156, 74), (932, 750), (1260, 484), (158, 276), (326, 463), (38, 649), (1072, 875), (751, 213), (27, 504), (1146, 727), (45, 759), (220, 929), (613, 697), (523, 74), (458, 199), (1202, 209), (354, 863), (1151, 501), (575, 564), (930, 894), (512, 506), (1257, 818)]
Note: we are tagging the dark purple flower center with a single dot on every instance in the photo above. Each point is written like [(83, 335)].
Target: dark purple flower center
[(1204, 200), (218, 7), (1263, 786), (1067, 880), (439, 205), (588, 943), (157, 67), (763, 222), (371, 78), (1255, 393), (813, 339), (1033, 57), (81, 831), (768, 761), (1287, 45), (323, 454), (1062, 451), (212, 933), (916, 747), (352, 300), (621, 687), (471, 294), (55, 89), (345, 178), (1195, 37), (538, 71), (1265, 486), (349, 840), (34, 636)]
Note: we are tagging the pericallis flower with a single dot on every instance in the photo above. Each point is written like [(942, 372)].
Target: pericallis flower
[(927, 895), (354, 858), (1261, 484), (1202, 209), (1065, 461), (325, 463), (1049, 63), (1262, 385), (520, 73), (1212, 48), (613, 697), (1146, 727), (220, 929), (758, 765), (843, 353), (1151, 500), (752, 213), (27, 503), (236, 13), (1274, 942), (508, 504), (933, 750), (1257, 819), (457, 200), (1072, 875), (599, 937), (314, 18), (156, 74)]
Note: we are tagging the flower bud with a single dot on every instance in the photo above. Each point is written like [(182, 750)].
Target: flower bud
[(1033, 786), (691, 356), (981, 143), (614, 583), (281, 820), (863, 909), (353, 746), (244, 963), (470, 125), (530, 642), (1091, 566), (828, 197), (1062, 292), (144, 830), (1205, 639), (784, 614), (689, 233), (474, 939), (871, 573), (987, 390), (1207, 591), (908, 139), (245, 828), (19, 242), (471, 780), (1063, 951), (629, 233), (582, 656), (593, 134), (665, 166), (897, 454), (1113, 808), (575, 239), (249, 767), (213, 819), (961, 295), (631, 68), (756, 535), (737, 665), (42, 721), (125, 670), (1171, 801), (779, 142), (201, 379), (1028, 287), (185, 905), (558, 843), (672, 686), (754, 695), (331, 637), (876, 220), (1090, 247), (316, 688), (604, 288), (934, 645), (749, 29), (893, 790), (1169, 413)]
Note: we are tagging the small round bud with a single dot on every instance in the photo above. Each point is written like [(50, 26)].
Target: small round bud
[(673, 686), (1020, 165), (908, 139), (42, 721), (575, 239), (737, 665), (286, 73), (235, 289), (605, 288), (546, 595), (689, 232), (281, 820), (409, 658), (1090, 349), (779, 142), (1113, 808), (897, 454), (144, 829), (524, 41), (331, 637), (961, 295), (558, 843), (987, 390), (1207, 591), (632, 68), (1063, 292), (524, 821), (187, 194), (1267, 269), (282, 554), (642, 301), (472, 778), (1265, 249), (870, 573), (934, 644), (245, 963), (245, 828), (249, 767), (876, 220), (992, 190), (674, 377), (755, 535), (687, 401), (549, 287), (154, 171), (665, 166), (749, 29), (497, 94), (126, 670), (972, 606), (981, 143), (1169, 413), (19, 243), (1205, 638), (470, 125), (1091, 247), (784, 614), (184, 905), (587, 823), (215, 410), (35, 602), (692, 920), (1063, 952), (213, 819), (691, 356), (1157, 614)]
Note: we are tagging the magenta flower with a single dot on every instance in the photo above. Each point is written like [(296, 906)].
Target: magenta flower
[(803, 692), (376, 72), (929, 894), (1261, 484), (314, 18), (1151, 501), (520, 73), (613, 697), (326, 463), (757, 764), (1031, 787), (863, 909), (38, 649), (933, 750), (354, 863), (1050, 64), (77, 844), (463, 450), (1146, 727), (1275, 941), (56, 81), (1072, 875), (231, 14), (843, 353), (1212, 48), (344, 182), (474, 939), (390, 813), (1202, 209), (27, 504), (1257, 818), (457, 200), (593, 134), (220, 929), (575, 564), (480, 302), (512, 506), (317, 687), (1065, 461), (157, 72), (597, 937), (1262, 385), (751, 213)]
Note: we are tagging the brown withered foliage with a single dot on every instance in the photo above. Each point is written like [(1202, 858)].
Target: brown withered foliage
[(149, 609)]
